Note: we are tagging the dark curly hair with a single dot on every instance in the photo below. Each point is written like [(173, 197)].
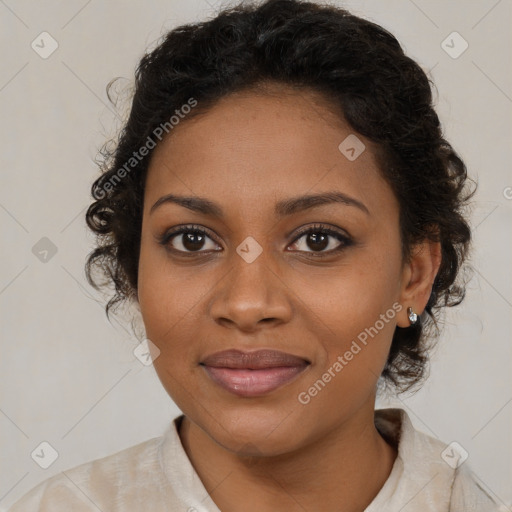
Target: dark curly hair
[(363, 73)]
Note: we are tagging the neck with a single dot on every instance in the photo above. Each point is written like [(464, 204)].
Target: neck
[(348, 465)]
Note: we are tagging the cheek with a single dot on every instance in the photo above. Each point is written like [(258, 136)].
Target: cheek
[(167, 296), (172, 304), (167, 303), (352, 296), (354, 354), (355, 308)]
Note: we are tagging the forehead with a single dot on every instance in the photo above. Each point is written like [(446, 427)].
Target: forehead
[(254, 147)]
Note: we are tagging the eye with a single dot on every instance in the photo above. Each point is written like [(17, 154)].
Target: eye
[(316, 240), (321, 240), (188, 239)]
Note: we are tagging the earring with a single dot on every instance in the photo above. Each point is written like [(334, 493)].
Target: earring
[(413, 317)]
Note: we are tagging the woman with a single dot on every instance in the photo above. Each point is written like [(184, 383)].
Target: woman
[(284, 210)]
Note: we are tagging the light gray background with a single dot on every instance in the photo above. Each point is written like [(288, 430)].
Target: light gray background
[(69, 377)]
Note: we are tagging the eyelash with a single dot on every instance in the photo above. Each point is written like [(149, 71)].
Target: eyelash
[(345, 240)]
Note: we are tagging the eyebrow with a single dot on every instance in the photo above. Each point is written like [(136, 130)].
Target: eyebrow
[(282, 208)]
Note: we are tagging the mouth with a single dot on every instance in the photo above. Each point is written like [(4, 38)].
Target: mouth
[(251, 374)]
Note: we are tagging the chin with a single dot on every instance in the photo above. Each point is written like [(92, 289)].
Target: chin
[(255, 430)]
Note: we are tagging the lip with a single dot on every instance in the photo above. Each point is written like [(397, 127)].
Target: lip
[(251, 374)]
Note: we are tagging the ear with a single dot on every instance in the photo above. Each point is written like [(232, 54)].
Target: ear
[(418, 278)]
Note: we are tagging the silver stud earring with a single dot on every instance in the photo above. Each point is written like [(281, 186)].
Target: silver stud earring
[(413, 317)]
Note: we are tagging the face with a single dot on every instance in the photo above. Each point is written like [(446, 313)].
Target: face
[(264, 269)]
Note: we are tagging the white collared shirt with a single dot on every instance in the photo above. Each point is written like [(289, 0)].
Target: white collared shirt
[(157, 476)]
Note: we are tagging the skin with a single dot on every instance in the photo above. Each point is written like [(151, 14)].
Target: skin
[(248, 152)]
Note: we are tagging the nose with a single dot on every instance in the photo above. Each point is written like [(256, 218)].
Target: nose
[(251, 296)]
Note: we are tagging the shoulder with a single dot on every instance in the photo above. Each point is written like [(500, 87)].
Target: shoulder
[(98, 484), (433, 475), (468, 495)]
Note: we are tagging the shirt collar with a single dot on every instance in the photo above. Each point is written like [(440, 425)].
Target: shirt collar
[(416, 473)]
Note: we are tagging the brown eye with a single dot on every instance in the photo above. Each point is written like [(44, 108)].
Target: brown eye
[(321, 240), (193, 241), (317, 241), (188, 240)]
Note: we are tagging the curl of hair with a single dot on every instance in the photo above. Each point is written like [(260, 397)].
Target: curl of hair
[(362, 72)]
